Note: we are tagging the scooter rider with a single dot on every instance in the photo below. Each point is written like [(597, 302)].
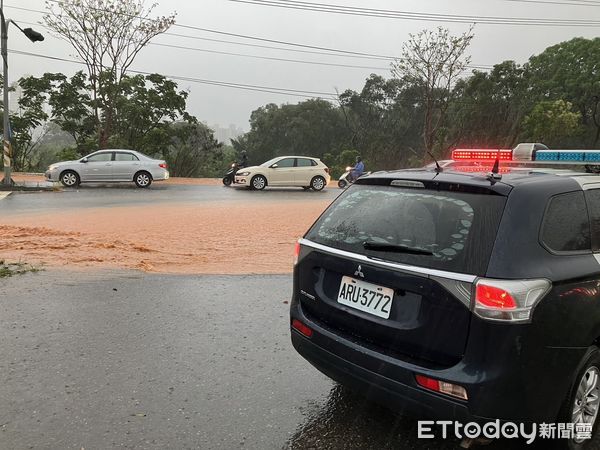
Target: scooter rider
[(229, 177), (244, 160), (358, 169)]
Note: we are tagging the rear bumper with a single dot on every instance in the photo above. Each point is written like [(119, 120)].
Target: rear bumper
[(160, 175), (503, 382), (390, 393)]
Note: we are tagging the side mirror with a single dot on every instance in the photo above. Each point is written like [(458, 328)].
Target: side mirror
[(274, 166), (84, 160)]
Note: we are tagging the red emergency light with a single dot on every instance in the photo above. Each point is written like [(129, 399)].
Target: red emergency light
[(481, 155)]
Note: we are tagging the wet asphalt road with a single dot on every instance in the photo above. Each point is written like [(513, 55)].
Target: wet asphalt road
[(94, 196), (131, 360)]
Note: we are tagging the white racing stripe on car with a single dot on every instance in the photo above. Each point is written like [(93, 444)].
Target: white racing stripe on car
[(5, 194)]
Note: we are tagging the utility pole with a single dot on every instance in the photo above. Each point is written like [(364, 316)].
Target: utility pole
[(33, 36), (5, 133)]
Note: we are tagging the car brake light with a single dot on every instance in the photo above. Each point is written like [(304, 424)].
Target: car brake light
[(494, 297), (296, 252), (326, 169), (301, 328), (481, 155), (442, 387), (163, 165), (508, 300)]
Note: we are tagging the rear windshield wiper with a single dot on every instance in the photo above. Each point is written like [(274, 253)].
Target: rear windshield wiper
[(383, 247)]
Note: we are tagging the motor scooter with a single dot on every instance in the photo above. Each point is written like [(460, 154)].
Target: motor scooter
[(229, 177), (346, 179)]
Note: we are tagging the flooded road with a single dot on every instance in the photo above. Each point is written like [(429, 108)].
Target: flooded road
[(177, 229)]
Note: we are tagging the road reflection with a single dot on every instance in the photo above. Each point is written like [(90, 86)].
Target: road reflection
[(347, 421)]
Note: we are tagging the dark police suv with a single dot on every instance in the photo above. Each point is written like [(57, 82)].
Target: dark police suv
[(460, 294)]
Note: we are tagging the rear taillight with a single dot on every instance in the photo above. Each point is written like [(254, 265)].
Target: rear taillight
[(508, 300), (493, 297), (163, 165), (301, 328), (326, 169), (442, 387), (296, 252)]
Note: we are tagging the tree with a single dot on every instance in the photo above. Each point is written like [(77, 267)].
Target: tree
[(107, 35), (551, 122), (569, 71), (28, 117), (193, 148), (487, 109), (382, 121), (70, 103), (312, 128), (144, 107), (433, 61)]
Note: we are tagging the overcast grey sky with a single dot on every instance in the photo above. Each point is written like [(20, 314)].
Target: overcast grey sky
[(384, 36)]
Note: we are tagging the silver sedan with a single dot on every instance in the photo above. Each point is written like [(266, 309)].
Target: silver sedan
[(106, 166)]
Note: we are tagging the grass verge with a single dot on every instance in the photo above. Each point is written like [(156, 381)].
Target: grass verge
[(18, 268)]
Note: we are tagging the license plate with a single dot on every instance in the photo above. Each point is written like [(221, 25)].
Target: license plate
[(367, 297)]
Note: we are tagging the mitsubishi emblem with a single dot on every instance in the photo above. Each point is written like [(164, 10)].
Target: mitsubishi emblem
[(359, 272)]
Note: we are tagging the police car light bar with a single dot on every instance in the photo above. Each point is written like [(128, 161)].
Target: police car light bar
[(537, 154), (581, 156), (481, 155)]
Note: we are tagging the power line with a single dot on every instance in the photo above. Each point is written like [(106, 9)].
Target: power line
[(320, 63), (273, 41), (555, 2), (243, 86), (245, 44), (420, 16)]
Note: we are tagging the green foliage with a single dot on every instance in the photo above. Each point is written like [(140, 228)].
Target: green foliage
[(193, 150), (18, 268), (569, 71), (142, 111), (488, 108), (337, 163), (382, 121), (310, 128), (107, 36), (552, 122), (432, 62), (67, 154)]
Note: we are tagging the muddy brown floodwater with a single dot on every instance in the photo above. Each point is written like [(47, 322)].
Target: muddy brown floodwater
[(174, 238)]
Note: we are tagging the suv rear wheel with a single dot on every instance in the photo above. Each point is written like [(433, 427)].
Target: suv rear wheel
[(583, 403)]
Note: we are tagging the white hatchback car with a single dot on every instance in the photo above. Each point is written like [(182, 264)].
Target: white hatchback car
[(301, 171)]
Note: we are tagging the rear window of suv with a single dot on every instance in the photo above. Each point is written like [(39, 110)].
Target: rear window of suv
[(457, 228)]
